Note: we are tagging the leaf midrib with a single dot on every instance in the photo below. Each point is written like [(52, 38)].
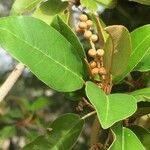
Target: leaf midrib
[(35, 48), (61, 139)]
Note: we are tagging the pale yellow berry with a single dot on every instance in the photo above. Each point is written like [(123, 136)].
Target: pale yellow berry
[(93, 64), (94, 38), (83, 18), (95, 71), (87, 34), (89, 23), (100, 52), (102, 71), (79, 30), (82, 25), (92, 52)]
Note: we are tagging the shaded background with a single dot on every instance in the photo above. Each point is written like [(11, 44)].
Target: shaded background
[(19, 123)]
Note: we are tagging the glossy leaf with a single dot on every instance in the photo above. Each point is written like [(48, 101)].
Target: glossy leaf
[(21, 6), (125, 139), (109, 107), (66, 31), (93, 4), (49, 9), (140, 47), (142, 134), (142, 35), (145, 2), (44, 50), (63, 135), (121, 48), (142, 94)]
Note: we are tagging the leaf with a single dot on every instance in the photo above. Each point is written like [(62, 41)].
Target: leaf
[(107, 3), (63, 135), (66, 31), (49, 9), (7, 132), (109, 107), (121, 48), (142, 134), (142, 94), (138, 36), (93, 4), (44, 50), (90, 4), (140, 47), (39, 103), (21, 6), (144, 2), (125, 140)]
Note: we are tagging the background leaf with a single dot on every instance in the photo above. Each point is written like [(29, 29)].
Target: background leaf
[(125, 139), (138, 36), (63, 135), (44, 50), (142, 94), (140, 47), (47, 10), (142, 134), (121, 48), (21, 6), (145, 2), (109, 107)]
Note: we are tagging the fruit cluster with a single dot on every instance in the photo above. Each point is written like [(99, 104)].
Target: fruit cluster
[(96, 65)]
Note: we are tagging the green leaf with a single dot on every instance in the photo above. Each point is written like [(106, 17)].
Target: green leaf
[(7, 132), (142, 134), (21, 6), (66, 31), (121, 48), (144, 2), (142, 35), (39, 103), (63, 135), (49, 9), (110, 108), (107, 3), (90, 4), (142, 94), (93, 4), (44, 50), (125, 139), (140, 47)]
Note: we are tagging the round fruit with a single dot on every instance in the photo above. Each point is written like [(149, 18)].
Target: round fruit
[(102, 71), (94, 38), (82, 25), (95, 71), (93, 64), (100, 52), (83, 18), (92, 52), (89, 23), (87, 34)]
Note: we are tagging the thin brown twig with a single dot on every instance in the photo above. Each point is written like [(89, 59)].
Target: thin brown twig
[(11, 80)]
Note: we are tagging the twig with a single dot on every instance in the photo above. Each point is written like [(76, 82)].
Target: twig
[(11, 80), (89, 114)]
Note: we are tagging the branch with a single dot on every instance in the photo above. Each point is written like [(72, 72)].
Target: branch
[(11, 80), (89, 114)]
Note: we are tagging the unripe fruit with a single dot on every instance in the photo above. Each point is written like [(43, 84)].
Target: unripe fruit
[(87, 34), (94, 38), (82, 25), (92, 52), (89, 23), (100, 52), (79, 30), (102, 71), (83, 18), (93, 64), (95, 71)]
